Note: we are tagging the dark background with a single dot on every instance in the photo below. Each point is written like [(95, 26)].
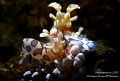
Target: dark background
[(26, 18)]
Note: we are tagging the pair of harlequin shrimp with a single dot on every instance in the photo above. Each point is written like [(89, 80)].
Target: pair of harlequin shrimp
[(64, 51)]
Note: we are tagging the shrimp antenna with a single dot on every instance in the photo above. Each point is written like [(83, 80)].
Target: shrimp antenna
[(55, 5), (72, 7)]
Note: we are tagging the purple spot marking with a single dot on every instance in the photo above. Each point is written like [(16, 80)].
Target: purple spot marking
[(37, 51), (27, 39), (45, 57), (28, 48), (34, 43), (81, 43), (91, 45)]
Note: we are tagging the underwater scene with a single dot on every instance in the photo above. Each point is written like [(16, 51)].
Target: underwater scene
[(48, 40)]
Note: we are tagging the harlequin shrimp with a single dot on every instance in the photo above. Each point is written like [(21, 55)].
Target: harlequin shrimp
[(64, 51)]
